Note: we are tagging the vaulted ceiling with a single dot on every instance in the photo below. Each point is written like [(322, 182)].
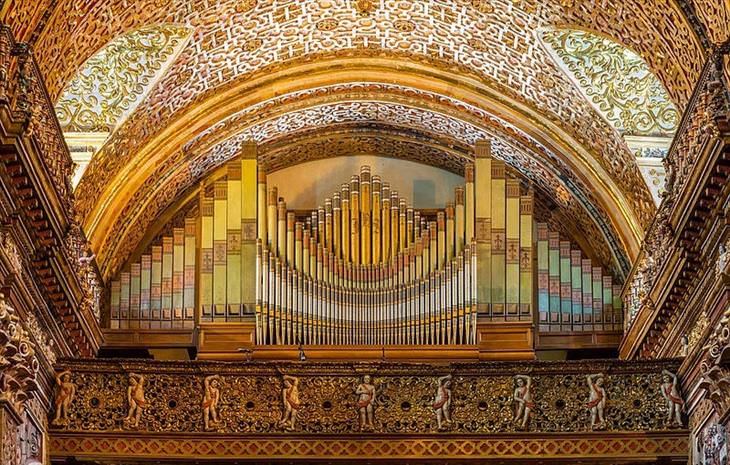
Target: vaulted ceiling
[(317, 78)]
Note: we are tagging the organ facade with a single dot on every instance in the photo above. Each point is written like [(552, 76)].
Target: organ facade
[(366, 268)]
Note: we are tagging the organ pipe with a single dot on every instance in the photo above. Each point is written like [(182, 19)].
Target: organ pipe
[(365, 268)]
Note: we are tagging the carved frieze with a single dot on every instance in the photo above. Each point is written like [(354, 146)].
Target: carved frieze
[(321, 398)]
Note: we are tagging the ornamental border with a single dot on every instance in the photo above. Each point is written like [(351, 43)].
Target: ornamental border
[(152, 446)]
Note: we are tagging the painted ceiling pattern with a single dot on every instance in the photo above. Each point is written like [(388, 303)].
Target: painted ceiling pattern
[(113, 81), (617, 81), (493, 40), (489, 41)]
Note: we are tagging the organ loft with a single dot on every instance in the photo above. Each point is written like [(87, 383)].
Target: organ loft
[(360, 231)]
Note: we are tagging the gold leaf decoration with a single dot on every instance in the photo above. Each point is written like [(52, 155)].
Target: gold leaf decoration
[(617, 81), (113, 81)]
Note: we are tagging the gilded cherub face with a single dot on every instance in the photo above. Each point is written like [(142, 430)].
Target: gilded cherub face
[(366, 379), (666, 379), (66, 378), (520, 382), (599, 382)]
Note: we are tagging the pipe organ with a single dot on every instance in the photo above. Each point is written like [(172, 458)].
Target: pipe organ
[(364, 268), (573, 295), (158, 291)]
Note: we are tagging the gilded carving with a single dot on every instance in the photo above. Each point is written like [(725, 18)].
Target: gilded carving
[(617, 81), (673, 447), (18, 360), (64, 397), (675, 403), (330, 399), (135, 399), (115, 79), (365, 7), (522, 397), (715, 16)]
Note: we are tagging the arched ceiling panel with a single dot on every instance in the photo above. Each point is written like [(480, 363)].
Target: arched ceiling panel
[(115, 80), (492, 40), (617, 81), (715, 17)]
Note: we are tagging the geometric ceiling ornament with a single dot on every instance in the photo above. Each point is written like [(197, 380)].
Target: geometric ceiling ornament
[(615, 80), (116, 79)]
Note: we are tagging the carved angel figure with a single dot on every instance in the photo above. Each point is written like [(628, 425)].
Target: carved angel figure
[(290, 399), (366, 402), (210, 400), (596, 400), (442, 402), (523, 400), (670, 392), (66, 393), (135, 398)]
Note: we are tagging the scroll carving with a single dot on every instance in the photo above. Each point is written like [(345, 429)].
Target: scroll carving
[(17, 359)]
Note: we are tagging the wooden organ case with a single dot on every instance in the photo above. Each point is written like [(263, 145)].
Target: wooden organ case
[(364, 276)]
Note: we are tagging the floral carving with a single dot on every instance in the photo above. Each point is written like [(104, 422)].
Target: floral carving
[(115, 80), (617, 81)]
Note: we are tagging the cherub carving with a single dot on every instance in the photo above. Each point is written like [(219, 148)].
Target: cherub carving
[(66, 393), (210, 400), (366, 403), (596, 400), (290, 399), (135, 398), (442, 402), (670, 392), (523, 400)]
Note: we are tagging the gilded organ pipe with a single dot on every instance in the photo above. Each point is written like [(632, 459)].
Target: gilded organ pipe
[(364, 269)]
